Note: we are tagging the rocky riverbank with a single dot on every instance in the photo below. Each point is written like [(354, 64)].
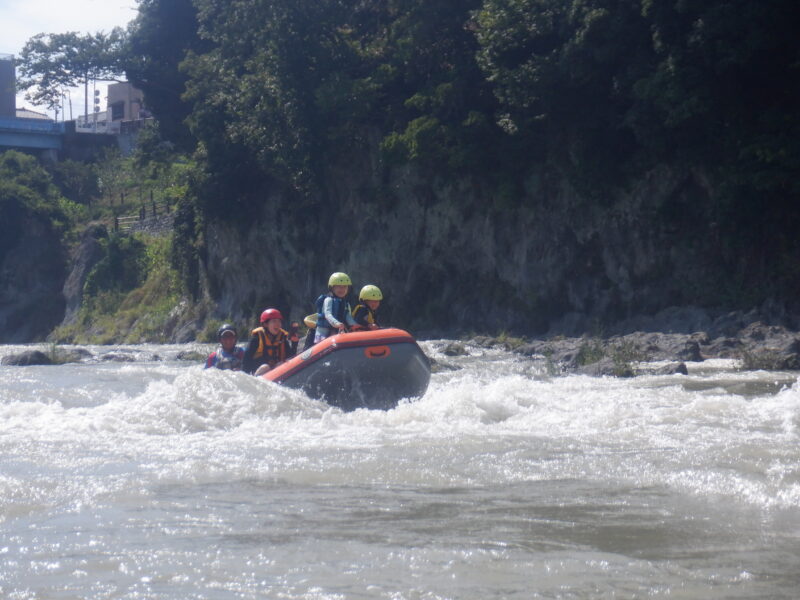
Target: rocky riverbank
[(737, 335), (765, 339)]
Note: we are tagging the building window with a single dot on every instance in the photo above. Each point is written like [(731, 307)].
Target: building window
[(118, 111)]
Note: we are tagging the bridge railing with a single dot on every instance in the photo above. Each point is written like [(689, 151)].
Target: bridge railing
[(30, 125)]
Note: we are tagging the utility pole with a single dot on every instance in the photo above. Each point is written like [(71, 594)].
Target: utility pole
[(96, 107), (86, 100)]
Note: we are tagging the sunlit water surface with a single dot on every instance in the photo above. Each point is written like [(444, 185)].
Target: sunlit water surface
[(154, 479)]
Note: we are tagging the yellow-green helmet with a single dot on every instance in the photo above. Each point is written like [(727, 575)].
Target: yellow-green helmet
[(339, 279), (370, 292)]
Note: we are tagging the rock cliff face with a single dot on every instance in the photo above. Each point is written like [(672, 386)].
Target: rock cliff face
[(457, 258), (32, 273), (83, 260)]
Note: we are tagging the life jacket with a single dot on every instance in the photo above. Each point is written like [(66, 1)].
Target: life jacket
[(270, 350), (362, 313), (226, 360), (339, 309)]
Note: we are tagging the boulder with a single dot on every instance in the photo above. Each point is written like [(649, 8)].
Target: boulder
[(455, 349), (116, 357), (606, 367), (678, 368), (783, 354), (28, 358), (690, 352), (439, 366), (191, 356)]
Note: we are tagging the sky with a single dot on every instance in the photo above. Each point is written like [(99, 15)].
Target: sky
[(22, 19)]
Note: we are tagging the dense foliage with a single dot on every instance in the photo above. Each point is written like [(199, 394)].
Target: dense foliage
[(27, 191), (50, 63), (597, 87), (159, 38), (595, 93)]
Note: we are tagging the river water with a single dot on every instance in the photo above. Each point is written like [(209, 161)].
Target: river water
[(154, 479)]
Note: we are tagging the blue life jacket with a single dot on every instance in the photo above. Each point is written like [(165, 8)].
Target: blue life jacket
[(224, 360), (340, 307)]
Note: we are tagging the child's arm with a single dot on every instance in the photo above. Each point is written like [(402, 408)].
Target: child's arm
[(351, 322), (360, 316)]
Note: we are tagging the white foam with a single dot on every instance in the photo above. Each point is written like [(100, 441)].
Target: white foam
[(495, 421)]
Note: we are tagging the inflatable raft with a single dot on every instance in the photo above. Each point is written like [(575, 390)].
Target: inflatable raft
[(364, 369)]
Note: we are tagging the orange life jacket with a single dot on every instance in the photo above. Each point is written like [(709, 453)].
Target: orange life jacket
[(273, 349)]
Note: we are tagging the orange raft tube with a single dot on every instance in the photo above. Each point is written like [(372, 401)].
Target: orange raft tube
[(364, 369)]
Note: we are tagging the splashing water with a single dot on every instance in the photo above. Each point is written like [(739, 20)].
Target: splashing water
[(151, 479)]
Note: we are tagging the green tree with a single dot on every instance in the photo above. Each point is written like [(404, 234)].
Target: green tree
[(159, 39), (255, 94), (564, 73), (725, 86), (440, 104), (153, 155), (51, 62), (26, 189), (76, 180), (724, 93), (122, 268)]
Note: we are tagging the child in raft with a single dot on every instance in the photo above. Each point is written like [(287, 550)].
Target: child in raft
[(369, 300), (333, 309), (269, 344), (228, 356)]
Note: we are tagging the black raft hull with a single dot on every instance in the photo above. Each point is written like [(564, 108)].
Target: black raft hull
[(369, 369)]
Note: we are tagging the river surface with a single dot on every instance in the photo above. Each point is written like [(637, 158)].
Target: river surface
[(154, 479)]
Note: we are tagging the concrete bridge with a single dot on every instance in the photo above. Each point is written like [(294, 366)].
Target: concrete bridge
[(50, 140), (31, 134)]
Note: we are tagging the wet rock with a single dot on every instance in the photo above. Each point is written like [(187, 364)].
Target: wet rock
[(115, 357), (782, 355), (529, 348), (606, 367), (72, 355), (440, 367), (28, 358), (191, 355), (483, 341), (455, 349), (691, 352), (758, 344), (758, 332), (724, 348), (672, 369)]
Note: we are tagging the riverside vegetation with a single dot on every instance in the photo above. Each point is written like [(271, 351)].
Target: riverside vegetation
[(555, 163)]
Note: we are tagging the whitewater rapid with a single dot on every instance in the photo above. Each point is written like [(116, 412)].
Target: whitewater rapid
[(156, 479)]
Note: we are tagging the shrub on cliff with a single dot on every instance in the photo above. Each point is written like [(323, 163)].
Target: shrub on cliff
[(27, 190), (121, 269)]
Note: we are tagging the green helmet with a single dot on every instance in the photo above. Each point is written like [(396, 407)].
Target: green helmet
[(370, 292), (339, 279)]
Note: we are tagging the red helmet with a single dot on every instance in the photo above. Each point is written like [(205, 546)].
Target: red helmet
[(271, 313)]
